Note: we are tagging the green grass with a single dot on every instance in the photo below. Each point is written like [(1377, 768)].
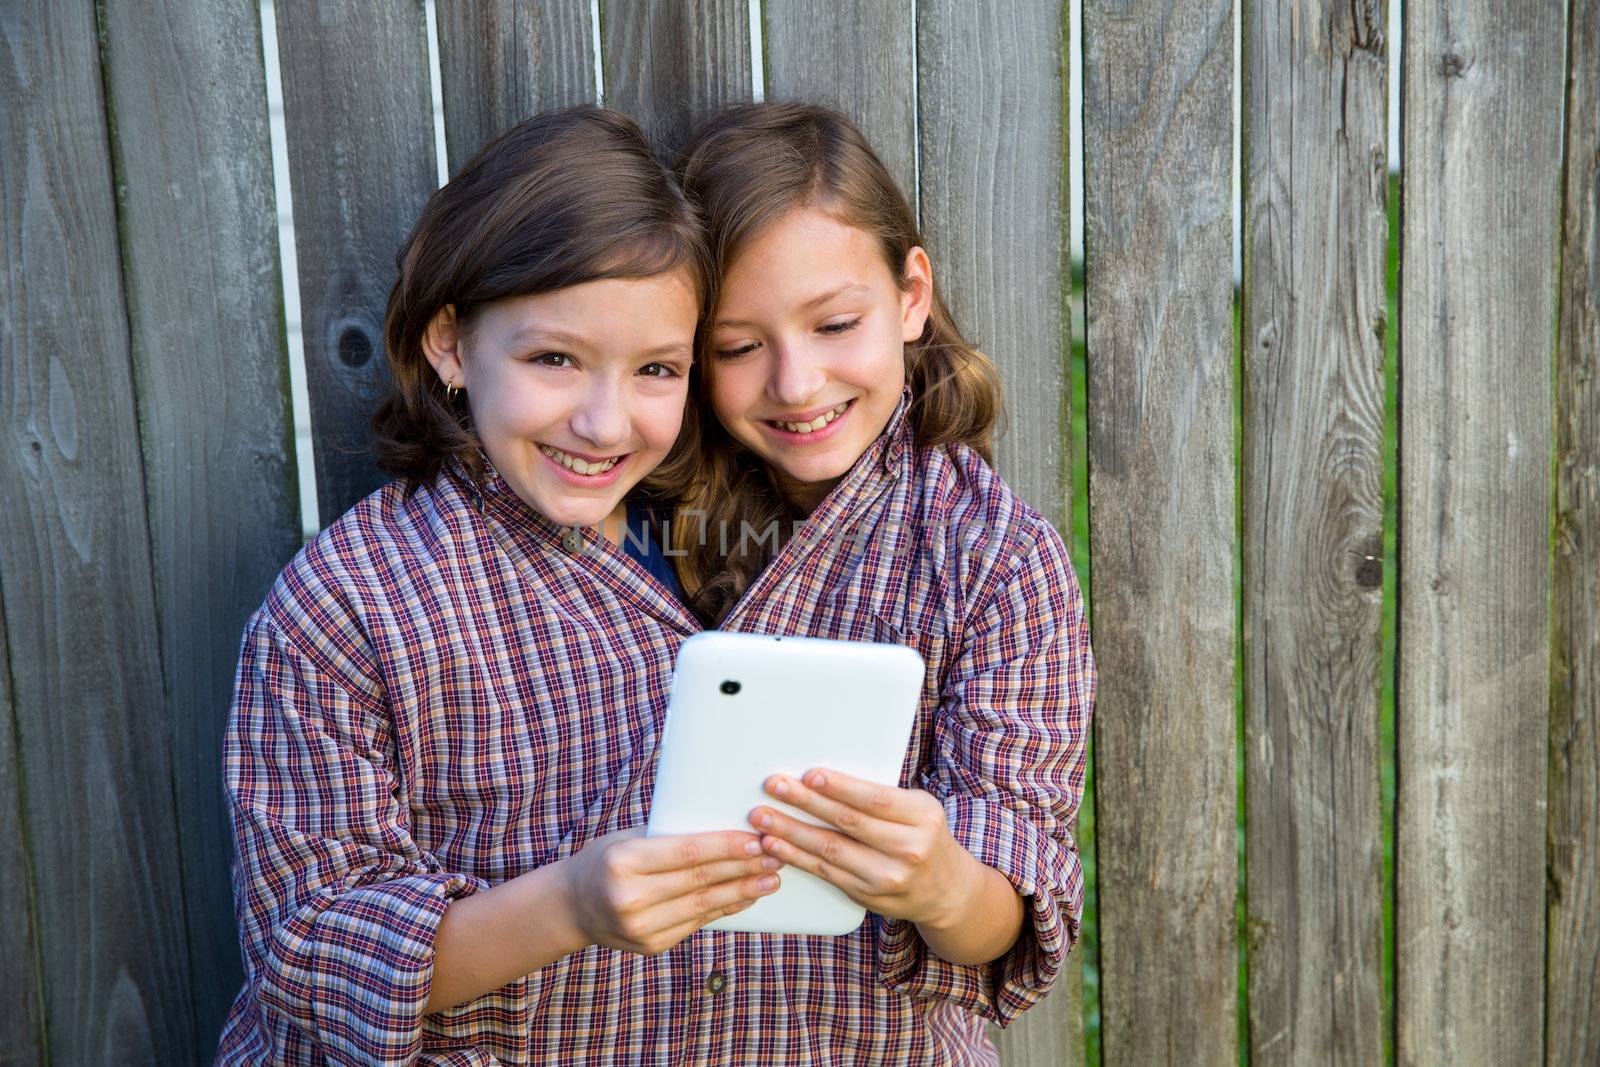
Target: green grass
[(1391, 567), (1089, 939), (1089, 945)]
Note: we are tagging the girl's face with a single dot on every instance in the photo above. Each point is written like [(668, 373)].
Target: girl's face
[(576, 394), (807, 347)]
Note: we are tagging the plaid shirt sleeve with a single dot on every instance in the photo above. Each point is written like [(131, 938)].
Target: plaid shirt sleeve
[(337, 905), (1008, 761)]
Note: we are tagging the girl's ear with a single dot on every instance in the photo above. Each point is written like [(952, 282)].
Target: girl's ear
[(441, 343), (916, 296)]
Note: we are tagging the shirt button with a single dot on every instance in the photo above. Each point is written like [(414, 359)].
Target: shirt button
[(715, 981), (572, 538)]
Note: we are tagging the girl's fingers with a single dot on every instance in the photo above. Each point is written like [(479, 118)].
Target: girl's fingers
[(852, 885), (824, 850), (682, 930), (674, 884), (905, 806), (703, 905), (676, 852), (869, 827)]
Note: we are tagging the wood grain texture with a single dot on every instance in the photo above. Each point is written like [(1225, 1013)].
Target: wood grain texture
[(361, 165), (1572, 1014), (80, 612), (501, 61), (1157, 144), (22, 1036), (990, 123), (1482, 148), (857, 59), (1316, 237), (1050, 1034), (671, 64), (186, 96)]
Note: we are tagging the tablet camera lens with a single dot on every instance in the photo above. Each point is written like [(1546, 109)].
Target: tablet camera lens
[(730, 687)]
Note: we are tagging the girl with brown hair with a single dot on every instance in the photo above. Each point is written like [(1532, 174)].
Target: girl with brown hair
[(845, 492), (440, 748)]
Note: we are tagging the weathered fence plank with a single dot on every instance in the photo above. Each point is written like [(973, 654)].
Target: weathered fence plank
[(79, 608), (1572, 1027), (856, 58), (361, 164), (670, 64), (1482, 121), (1157, 136), (1315, 237), (501, 61), (990, 126), (1051, 1033), (186, 96), (22, 1037)]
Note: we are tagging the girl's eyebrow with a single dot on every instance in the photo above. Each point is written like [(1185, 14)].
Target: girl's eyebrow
[(671, 348), (546, 335), (847, 289)]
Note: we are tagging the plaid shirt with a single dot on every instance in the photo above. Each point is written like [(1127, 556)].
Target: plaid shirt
[(445, 691)]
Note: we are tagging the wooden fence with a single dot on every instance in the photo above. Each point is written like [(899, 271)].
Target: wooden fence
[(148, 470)]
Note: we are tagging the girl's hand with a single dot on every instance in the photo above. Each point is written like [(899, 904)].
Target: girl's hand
[(891, 851), (645, 894)]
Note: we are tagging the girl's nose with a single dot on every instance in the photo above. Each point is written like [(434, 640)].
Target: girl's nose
[(796, 378), (601, 417)]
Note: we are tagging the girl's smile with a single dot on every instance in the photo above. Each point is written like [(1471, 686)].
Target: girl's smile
[(585, 471), (809, 428)]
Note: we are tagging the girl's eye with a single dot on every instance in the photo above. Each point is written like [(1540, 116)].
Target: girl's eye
[(736, 353), (658, 370), (841, 327), (552, 359)]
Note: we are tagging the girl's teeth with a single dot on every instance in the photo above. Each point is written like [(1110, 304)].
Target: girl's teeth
[(579, 466), (815, 424)]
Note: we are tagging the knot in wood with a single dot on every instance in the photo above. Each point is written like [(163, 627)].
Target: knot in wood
[(355, 347), (1369, 561)]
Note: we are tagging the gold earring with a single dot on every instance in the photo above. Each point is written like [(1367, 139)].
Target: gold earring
[(450, 391)]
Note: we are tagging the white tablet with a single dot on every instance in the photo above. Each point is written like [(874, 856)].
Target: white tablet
[(746, 706)]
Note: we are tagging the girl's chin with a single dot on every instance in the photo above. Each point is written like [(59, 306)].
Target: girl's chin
[(582, 513), (820, 466), (814, 476), (811, 480), (565, 508), (582, 519)]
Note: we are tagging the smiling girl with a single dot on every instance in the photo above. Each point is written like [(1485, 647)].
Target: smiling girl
[(440, 747), (837, 390)]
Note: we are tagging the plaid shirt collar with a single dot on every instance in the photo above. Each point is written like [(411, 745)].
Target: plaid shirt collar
[(537, 535), (881, 463), (874, 471), (539, 542)]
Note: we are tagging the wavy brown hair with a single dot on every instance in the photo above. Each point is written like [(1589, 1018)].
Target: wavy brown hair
[(745, 169), (569, 196)]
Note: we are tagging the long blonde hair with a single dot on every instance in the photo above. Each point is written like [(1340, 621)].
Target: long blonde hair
[(745, 169)]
